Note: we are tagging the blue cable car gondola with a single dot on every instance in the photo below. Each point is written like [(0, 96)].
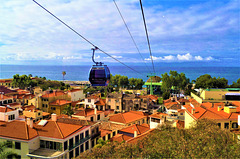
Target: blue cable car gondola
[(99, 74)]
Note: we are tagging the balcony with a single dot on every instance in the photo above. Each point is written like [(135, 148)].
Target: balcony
[(46, 153), (78, 143), (93, 136)]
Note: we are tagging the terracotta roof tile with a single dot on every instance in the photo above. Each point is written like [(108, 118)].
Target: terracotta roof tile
[(54, 94), (127, 117), (120, 138), (60, 102), (5, 109), (100, 102), (74, 90), (139, 137), (158, 115), (105, 132), (139, 128), (87, 112)]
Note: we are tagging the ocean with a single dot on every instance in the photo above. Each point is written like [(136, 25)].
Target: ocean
[(80, 73)]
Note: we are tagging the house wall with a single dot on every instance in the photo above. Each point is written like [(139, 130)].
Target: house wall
[(197, 98), (78, 95), (219, 95), (189, 121), (24, 147)]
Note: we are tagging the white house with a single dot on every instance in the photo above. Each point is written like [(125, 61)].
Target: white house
[(157, 119), (8, 114), (76, 94)]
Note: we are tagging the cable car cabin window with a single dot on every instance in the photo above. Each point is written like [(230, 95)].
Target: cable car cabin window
[(98, 74)]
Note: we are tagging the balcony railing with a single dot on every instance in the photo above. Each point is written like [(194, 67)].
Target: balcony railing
[(78, 143), (93, 136)]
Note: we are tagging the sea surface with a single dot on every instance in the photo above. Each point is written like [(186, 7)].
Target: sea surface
[(80, 73)]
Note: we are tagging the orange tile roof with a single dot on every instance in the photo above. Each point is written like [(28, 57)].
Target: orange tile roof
[(54, 94), (100, 102), (87, 112), (28, 107), (120, 138), (236, 103), (58, 129), (199, 111), (127, 117), (2, 97), (92, 97), (60, 102), (139, 137), (153, 97), (17, 130), (139, 128), (158, 115), (110, 126), (5, 109), (105, 132), (108, 112), (183, 100)]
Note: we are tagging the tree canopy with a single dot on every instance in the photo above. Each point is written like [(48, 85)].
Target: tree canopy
[(206, 81), (204, 140)]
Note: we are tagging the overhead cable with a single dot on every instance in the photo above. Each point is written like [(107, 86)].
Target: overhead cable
[(85, 38), (145, 26), (130, 33)]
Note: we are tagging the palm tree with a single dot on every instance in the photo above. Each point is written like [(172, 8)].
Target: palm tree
[(63, 73), (3, 152)]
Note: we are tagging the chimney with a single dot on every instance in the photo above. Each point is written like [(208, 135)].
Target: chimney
[(219, 108), (193, 111), (95, 111), (28, 121), (31, 122), (6, 118), (135, 134), (54, 117)]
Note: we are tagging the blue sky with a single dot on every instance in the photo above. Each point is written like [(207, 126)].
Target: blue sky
[(194, 32)]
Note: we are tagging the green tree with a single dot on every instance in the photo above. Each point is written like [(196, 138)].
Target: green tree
[(6, 153), (236, 84), (206, 81), (68, 110)]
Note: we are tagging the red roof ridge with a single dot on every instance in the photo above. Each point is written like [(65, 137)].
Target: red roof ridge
[(123, 118), (59, 129), (26, 131)]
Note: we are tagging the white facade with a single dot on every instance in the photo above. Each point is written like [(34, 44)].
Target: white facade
[(9, 116), (90, 103), (76, 95), (155, 122)]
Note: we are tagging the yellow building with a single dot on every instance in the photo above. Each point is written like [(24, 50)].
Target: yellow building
[(46, 139), (44, 100), (58, 106), (225, 116)]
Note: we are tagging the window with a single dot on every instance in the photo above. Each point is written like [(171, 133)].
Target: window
[(77, 139), (181, 113), (109, 100), (89, 100), (76, 151), (143, 121), (71, 154), (43, 105), (86, 133), (235, 125), (87, 145), (219, 124), (81, 136), (157, 120), (46, 105), (92, 118), (97, 129), (11, 117), (98, 117), (18, 145), (9, 144), (39, 114), (53, 108), (153, 119), (82, 148), (65, 145), (226, 125), (71, 142), (92, 131), (93, 143), (117, 107), (104, 138), (109, 136), (114, 133)]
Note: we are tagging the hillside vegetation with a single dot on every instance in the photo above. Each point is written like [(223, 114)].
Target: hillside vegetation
[(205, 140)]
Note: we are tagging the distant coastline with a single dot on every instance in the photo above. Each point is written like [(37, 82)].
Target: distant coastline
[(80, 72)]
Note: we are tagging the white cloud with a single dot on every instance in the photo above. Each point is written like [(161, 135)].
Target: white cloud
[(198, 58), (30, 33), (184, 57)]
